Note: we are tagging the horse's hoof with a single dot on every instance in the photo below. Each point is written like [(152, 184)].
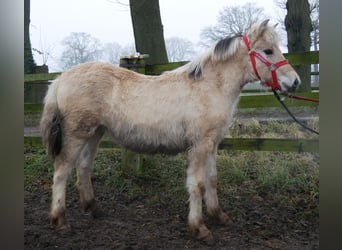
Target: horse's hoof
[(206, 237), (59, 222), (202, 233), (92, 207), (97, 213), (225, 219), (63, 228)]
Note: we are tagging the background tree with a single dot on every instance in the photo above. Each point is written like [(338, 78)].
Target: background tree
[(179, 49), (231, 20), (148, 30), (29, 64), (314, 10), (314, 14), (298, 26), (112, 52), (80, 47)]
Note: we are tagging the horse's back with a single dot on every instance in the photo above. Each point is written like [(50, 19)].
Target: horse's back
[(88, 84)]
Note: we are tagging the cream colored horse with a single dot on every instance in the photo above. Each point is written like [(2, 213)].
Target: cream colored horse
[(188, 109)]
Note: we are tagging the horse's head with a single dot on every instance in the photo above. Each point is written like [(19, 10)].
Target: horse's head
[(267, 62)]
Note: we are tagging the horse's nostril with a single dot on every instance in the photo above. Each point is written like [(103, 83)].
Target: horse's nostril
[(296, 83)]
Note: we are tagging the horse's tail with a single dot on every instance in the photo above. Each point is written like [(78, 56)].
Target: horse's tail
[(51, 123)]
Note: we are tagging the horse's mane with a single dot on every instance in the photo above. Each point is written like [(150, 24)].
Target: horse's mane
[(221, 51), (228, 46)]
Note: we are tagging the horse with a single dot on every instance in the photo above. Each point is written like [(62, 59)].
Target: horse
[(188, 109)]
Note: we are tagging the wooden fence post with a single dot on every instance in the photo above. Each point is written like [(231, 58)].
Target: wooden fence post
[(129, 159)]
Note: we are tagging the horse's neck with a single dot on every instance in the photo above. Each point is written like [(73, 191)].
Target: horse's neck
[(228, 77)]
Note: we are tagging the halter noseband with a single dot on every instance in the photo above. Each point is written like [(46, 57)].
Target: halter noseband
[(272, 66)]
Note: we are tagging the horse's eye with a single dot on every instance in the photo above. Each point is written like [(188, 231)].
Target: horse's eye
[(268, 52)]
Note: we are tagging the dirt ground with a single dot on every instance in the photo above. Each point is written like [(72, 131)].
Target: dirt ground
[(132, 224)]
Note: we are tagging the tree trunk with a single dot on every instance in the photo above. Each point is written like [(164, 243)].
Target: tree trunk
[(29, 64), (148, 30), (298, 26)]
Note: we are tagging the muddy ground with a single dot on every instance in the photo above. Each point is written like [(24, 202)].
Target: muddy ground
[(133, 224)]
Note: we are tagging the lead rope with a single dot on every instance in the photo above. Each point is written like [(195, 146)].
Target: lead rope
[(289, 112)]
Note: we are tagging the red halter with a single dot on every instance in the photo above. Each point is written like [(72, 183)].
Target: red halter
[(272, 66)]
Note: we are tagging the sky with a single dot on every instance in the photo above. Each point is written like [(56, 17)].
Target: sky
[(108, 21)]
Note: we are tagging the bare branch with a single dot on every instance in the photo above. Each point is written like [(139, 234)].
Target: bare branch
[(232, 20), (119, 2), (80, 47)]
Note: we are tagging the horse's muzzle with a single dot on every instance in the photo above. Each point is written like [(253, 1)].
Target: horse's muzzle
[(294, 86)]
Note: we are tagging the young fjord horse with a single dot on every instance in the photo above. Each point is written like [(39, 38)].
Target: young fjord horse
[(188, 109)]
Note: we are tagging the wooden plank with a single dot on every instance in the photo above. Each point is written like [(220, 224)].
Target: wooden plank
[(303, 58), (247, 101), (158, 69), (246, 144), (40, 78), (33, 141), (263, 144), (33, 107), (269, 100)]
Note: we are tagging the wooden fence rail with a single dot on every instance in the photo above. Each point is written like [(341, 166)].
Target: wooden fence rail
[(245, 144), (256, 100), (295, 59)]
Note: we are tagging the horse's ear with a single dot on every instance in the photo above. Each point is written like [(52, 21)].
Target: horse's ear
[(264, 23), (263, 26), (275, 26)]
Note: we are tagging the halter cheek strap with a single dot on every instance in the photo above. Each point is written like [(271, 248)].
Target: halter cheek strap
[(272, 66)]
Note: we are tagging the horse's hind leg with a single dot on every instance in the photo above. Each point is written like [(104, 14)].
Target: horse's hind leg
[(210, 196), (60, 177), (195, 183), (63, 165), (84, 173)]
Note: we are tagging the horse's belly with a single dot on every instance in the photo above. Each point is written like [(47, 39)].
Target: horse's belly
[(151, 139)]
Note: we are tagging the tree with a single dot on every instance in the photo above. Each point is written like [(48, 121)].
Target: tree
[(80, 47), (314, 14), (148, 30), (298, 26), (44, 50), (232, 20), (29, 64), (179, 49)]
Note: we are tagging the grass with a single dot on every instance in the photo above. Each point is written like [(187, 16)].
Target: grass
[(253, 128)]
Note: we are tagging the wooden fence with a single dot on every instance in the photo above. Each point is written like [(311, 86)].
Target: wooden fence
[(36, 85)]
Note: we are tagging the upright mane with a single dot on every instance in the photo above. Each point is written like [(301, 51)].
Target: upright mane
[(267, 32), (221, 51), (228, 46)]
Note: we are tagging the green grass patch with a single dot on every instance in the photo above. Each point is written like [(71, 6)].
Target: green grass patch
[(38, 169)]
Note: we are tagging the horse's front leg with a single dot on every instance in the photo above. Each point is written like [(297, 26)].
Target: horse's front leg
[(197, 158), (210, 196)]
